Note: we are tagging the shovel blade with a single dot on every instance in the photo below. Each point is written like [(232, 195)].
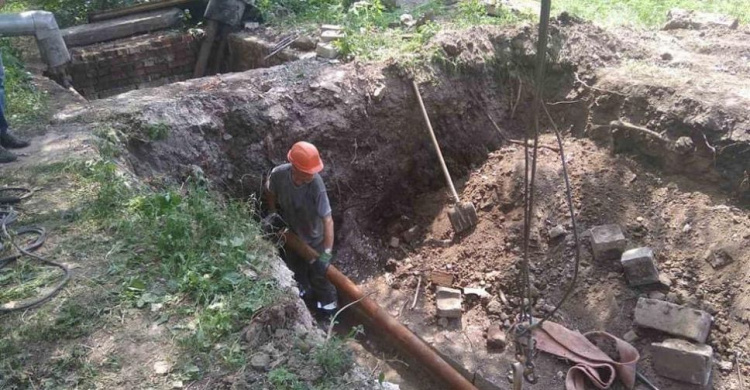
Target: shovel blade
[(463, 216)]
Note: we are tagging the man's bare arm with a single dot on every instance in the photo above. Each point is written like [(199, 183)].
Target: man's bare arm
[(270, 196), (328, 233)]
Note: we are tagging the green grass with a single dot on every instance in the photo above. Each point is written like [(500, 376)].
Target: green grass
[(25, 103), (370, 34), (184, 248), (372, 30), (646, 13), (188, 243), (283, 379)]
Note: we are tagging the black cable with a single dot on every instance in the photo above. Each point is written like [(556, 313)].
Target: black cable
[(7, 217), (569, 196), (529, 182)]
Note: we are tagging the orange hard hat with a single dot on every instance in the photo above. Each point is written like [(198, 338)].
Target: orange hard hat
[(304, 157)]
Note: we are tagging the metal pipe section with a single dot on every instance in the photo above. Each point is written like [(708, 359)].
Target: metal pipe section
[(139, 8), (226, 11), (401, 335), (43, 26)]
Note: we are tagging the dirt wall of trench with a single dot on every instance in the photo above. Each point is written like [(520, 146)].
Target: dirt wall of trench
[(365, 119)]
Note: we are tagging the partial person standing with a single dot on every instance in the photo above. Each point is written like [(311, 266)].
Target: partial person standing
[(298, 190), (7, 140)]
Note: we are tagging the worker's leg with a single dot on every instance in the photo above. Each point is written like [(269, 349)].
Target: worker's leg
[(325, 292), (300, 269)]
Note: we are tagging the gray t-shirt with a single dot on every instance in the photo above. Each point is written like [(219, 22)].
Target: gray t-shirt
[(302, 207)]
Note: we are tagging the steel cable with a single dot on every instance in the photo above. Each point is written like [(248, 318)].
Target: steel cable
[(9, 216)]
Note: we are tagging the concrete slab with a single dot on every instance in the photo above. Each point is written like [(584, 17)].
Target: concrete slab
[(120, 28)]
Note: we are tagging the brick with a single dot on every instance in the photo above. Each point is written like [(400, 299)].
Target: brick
[(640, 267), (496, 337), (676, 320), (441, 278), (607, 242), (683, 361), (448, 302)]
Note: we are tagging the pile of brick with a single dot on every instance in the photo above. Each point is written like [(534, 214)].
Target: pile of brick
[(144, 61), (686, 358)]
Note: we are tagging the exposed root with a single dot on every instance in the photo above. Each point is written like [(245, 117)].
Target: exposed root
[(643, 130), (518, 99)]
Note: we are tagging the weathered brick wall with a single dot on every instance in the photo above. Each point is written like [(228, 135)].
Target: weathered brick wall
[(144, 61)]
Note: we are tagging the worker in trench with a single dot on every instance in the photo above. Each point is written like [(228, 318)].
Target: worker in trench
[(299, 192)]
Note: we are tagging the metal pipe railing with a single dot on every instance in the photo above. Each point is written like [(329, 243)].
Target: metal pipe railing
[(43, 26)]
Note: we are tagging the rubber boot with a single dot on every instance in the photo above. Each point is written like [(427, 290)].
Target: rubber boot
[(6, 156), (10, 141)]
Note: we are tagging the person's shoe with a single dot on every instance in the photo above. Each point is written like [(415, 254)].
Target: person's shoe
[(6, 156), (10, 141), (328, 310), (308, 298)]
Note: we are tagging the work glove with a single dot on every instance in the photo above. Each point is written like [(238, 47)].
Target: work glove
[(272, 223), (320, 265)]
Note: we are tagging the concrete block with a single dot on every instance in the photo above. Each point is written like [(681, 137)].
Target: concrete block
[(326, 50), (607, 242), (448, 302), (676, 320), (683, 361), (331, 35), (123, 27), (331, 27), (640, 267)]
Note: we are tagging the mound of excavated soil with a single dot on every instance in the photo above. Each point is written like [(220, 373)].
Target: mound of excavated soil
[(684, 223), (382, 173)]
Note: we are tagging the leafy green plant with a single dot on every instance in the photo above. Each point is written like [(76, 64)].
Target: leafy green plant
[(334, 356), (283, 379), (157, 131)]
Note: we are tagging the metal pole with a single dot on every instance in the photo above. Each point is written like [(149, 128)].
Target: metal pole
[(208, 41)]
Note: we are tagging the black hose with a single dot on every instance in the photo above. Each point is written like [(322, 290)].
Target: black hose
[(7, 217)]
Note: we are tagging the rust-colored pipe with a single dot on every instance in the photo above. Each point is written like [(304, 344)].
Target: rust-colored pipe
[(410, 342)]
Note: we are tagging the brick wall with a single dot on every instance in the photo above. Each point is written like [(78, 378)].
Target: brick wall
[(144, 61)]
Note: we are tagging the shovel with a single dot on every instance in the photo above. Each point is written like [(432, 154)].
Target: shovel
[(462, 215)]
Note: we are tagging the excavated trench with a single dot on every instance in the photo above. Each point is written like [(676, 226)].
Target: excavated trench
[(381, 169)]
